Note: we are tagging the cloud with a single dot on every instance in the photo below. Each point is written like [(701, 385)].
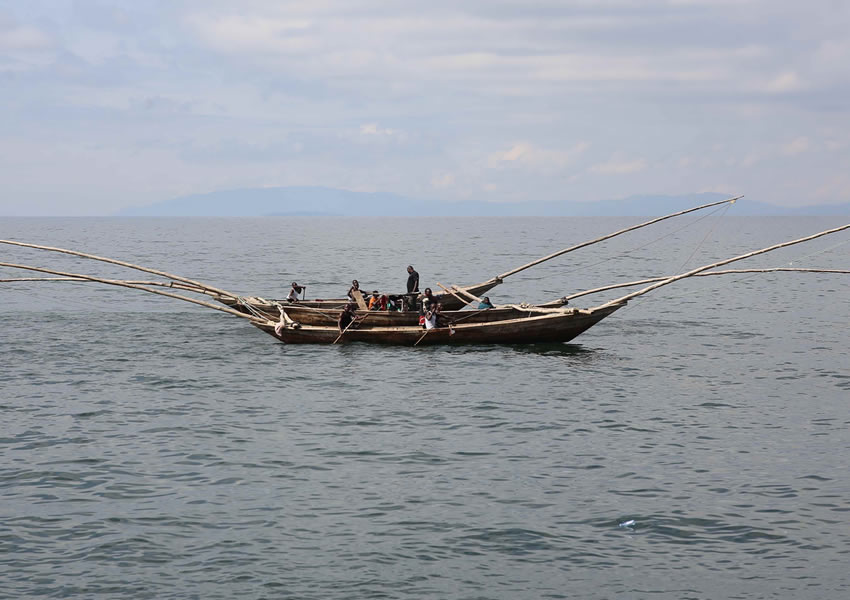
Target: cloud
[(23, 48), (523, 100), (444, 180), (835, 189), (24, 37), (369, 129), (256, 33), (750, 159), (619, 167), (797, 146), (789, 81), (526, 154)]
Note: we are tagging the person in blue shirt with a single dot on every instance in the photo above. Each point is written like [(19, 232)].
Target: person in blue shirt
[(485, 303)]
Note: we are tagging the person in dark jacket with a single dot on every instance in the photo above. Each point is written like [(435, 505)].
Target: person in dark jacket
[(412, 280), (347, 317)]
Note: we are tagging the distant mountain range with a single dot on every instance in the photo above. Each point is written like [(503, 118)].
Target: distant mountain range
[(321, 201)]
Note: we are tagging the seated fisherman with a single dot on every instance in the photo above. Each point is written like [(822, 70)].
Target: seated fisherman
[(485, 303), (428, 300), (435, 318), (294, 292), (430, 318), (375, 301), (355, 286)]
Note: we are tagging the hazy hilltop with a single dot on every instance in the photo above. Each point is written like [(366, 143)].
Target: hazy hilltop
[(319, 201)]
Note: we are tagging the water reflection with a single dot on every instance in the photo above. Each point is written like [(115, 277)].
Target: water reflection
[(554, 349)]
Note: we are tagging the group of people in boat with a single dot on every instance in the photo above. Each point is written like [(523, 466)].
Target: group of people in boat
[(376, 301), (428, 304)]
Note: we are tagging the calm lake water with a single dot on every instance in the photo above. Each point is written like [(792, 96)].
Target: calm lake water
[(154, 449)]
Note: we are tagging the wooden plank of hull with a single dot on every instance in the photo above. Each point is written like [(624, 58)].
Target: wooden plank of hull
[(552, 327), (328, 318), (358, 299)]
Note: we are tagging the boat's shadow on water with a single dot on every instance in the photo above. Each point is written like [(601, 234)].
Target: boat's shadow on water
[(554, 349), (544, 349)]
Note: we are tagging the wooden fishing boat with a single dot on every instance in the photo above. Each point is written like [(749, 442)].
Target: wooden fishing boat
[(554, 325), (503, 325), (549, 325), (449, 301), (259, 308)]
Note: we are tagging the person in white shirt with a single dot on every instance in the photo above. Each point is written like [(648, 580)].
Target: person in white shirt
[(293, 293), (432, 316)]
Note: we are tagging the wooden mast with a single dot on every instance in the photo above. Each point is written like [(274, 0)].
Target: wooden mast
[(692, 272)]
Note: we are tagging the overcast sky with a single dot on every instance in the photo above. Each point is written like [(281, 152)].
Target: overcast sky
[(108, 104)]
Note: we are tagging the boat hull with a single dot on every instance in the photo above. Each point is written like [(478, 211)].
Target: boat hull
[(556, 326), (326, 317)]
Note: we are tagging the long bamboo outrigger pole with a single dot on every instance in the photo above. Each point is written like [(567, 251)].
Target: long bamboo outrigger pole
[(122, 263), (169, 284), (698, 270), (564, 299), (616, 233), (136, 287)]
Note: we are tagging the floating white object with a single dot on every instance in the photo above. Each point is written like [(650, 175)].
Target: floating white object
[(628, 523)]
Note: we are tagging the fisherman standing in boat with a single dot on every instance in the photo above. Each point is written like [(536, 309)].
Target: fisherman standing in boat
[(412, 288), (412, 280)]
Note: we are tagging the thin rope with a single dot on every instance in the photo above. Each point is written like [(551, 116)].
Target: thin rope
[(242, 301), (65, 301), (742, 277), (698, 246), (825, 250)]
